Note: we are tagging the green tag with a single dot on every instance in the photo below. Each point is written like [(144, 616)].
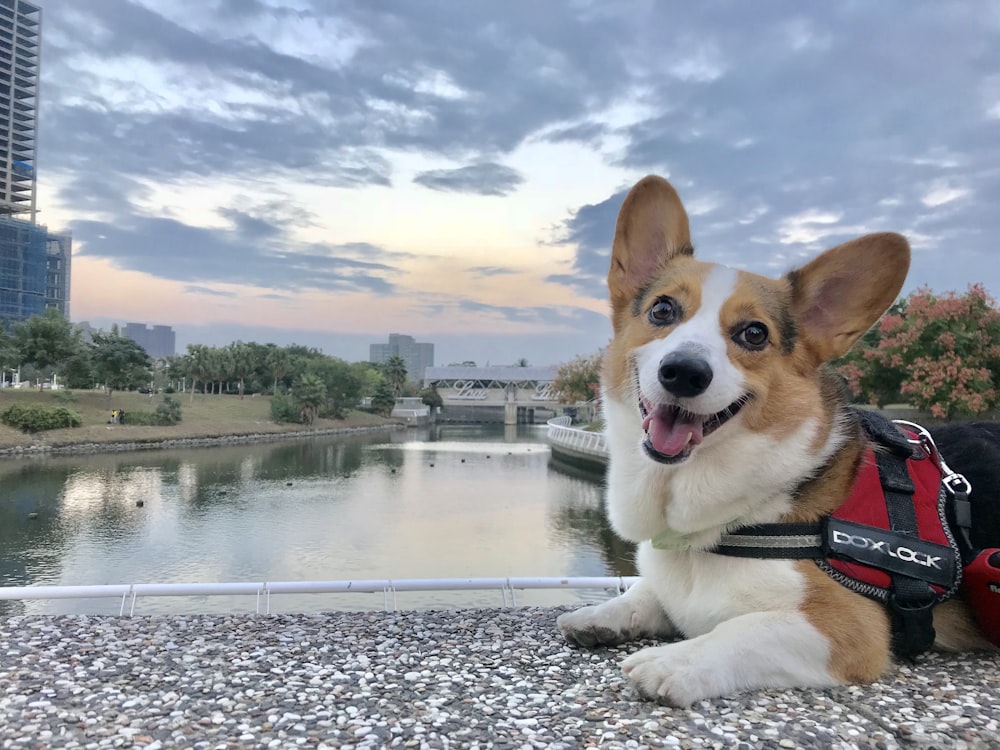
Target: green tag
[(671, 540)]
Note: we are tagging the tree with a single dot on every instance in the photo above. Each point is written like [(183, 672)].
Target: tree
[(579, 379), (394, 369), (431, 397), (944, 350), (343, 386), (279, 362), (119, 362), (78, 370), (383, 399), (241, 361), (221, 366), (369, 375), (868, 376), (310, 393), (46, 340), (178, 368), (10, 357), (199, 366), (522, 362)]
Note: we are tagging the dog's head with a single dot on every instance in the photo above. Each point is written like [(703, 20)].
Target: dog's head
[(699, 347)]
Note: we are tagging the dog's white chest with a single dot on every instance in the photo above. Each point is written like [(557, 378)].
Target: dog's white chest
[(699, 590)]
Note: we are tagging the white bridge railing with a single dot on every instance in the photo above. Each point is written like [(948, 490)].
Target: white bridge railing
[(561, 435), (388, 587)]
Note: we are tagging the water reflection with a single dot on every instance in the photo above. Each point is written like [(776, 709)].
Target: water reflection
[(453, 501)]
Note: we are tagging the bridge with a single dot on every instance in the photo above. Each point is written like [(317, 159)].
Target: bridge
[(512, 395)]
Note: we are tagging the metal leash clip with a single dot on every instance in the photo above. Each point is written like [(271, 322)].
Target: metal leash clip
[(955, 483)]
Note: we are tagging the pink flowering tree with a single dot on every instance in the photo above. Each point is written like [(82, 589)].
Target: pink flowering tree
[(580, 379), (940, 353)]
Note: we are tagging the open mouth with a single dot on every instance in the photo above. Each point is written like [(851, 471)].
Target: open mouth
[(672, 432)]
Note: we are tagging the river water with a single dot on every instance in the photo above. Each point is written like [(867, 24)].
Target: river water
[(452, 501)]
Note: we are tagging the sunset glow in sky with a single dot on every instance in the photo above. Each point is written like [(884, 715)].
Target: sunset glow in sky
[(327, 173)]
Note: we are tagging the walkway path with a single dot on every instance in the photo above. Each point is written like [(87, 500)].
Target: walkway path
[(473, 678)]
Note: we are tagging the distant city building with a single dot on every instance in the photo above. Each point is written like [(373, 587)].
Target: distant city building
[(20, 39), (59, 263), (87, 331), (34, 270), (417, 356), (158, 341)]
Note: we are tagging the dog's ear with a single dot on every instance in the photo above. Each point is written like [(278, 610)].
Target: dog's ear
[(652, 228), (842, 293)]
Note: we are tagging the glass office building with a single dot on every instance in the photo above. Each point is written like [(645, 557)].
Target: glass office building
[(34, 264), (20, 37)]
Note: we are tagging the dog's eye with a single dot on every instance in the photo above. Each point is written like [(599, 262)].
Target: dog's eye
[(664, 311), (752, 336)]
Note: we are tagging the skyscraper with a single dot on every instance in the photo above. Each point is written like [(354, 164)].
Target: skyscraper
[(417, 356), (20, 38), (34, 265), (158, 341)]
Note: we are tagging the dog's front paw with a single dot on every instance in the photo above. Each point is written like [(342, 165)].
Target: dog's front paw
[(591, 626), (666, 675)]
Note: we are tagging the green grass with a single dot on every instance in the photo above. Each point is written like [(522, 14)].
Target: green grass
[(204, 416)]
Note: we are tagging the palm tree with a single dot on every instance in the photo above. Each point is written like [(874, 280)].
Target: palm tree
[(394, 370), (310, 393), (222, 366), (279, 362), (241, 360), (199, 365), (178, 368)]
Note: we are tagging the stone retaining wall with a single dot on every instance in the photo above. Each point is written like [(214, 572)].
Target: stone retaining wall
[(191, 442)]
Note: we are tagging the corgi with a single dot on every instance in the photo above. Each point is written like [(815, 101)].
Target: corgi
[(720, 414)]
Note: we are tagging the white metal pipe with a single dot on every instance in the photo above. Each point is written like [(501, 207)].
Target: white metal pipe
[(366, 586), (65, 592), (195, 589)]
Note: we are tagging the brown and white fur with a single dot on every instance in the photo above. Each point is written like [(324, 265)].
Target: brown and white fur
[(766, 439)]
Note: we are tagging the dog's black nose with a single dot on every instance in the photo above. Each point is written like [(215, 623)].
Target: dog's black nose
[(684, 374)]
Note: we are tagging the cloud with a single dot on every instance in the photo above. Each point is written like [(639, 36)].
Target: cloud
[(195, 289), (590, 229), (942, 194), (481, 179), (169, 249), (584, 132), (492, 271)]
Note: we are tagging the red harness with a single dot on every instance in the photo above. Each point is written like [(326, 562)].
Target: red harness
[(867, 509), (901, 538)]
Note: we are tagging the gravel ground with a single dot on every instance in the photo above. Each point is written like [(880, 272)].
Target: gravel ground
[(427, 679)]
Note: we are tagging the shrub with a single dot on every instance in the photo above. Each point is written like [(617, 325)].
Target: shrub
[(168, 411), (285, 409), (144, 418), (38, 418), (939, 352)]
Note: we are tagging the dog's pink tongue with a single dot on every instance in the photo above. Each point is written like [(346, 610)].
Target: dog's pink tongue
[(669, 432)]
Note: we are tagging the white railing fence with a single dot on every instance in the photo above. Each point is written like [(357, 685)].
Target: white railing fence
[(129, 593), (562, 434)]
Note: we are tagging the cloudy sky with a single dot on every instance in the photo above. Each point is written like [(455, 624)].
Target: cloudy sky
[(329, 172)]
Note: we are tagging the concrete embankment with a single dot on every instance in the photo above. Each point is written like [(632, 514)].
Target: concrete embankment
[(124, 446), (467, 678)]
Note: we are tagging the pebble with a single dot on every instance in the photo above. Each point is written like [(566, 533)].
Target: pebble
[(499, 678)]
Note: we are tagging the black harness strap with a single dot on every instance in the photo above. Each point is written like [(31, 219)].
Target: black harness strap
[(775, 541), (910, 599)]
